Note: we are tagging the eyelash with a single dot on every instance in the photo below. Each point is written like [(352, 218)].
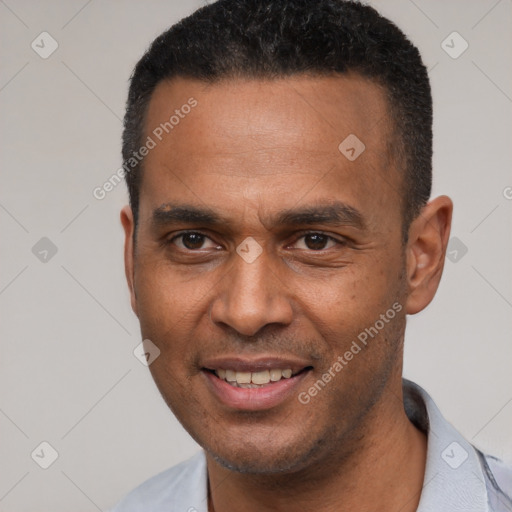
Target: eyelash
[(302, 235)]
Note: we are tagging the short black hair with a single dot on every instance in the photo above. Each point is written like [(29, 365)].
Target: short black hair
[(266, 39)]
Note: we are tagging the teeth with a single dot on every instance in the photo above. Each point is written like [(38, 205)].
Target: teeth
[(243, 377), (230, 375), (261, 377), (275, 375), (253, 379)]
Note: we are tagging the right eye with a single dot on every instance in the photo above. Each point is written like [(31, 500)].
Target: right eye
[(191, 241)]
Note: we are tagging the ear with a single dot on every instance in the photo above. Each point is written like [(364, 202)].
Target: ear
[(129, 226), (425, 253)]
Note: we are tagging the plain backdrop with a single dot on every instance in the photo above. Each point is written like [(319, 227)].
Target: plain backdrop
[(68, 375)]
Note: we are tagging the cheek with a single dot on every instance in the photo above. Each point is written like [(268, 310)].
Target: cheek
[(352, 293), (348, 306), (167, 296), (169, 308)]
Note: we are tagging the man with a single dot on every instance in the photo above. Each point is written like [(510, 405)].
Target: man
[(278, 159)]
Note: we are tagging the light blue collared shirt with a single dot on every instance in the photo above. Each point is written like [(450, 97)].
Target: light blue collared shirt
[(458, 477)]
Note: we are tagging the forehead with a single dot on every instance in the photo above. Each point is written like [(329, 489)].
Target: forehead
[(267, 141), (253, 113)]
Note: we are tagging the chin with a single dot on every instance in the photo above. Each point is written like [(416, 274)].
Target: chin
[(257, 463), (265, 458)]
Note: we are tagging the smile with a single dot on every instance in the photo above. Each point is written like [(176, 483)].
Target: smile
[(250, 380), (254, 385)]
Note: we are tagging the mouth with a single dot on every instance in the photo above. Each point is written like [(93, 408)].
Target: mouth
[(254, 385), (257, 379)]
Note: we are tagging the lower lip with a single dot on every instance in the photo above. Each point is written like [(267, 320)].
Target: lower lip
[(254, 399)]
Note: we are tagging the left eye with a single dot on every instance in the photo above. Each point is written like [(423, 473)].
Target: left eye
[(316, 241)]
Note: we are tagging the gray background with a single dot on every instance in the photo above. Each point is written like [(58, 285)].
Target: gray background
[(68, 375)]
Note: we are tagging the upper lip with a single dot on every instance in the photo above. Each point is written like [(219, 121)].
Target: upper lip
[(256, 364)]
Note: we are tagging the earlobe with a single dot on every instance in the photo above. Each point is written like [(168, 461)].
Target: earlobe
[(425, 252), (129, 267)]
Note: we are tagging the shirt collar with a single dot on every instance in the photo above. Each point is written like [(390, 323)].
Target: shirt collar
[(454, 479)]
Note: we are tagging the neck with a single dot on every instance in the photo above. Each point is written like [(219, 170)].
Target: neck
[(380, 470)]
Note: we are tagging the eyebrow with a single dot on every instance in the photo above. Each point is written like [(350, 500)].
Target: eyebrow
[(334, 213)]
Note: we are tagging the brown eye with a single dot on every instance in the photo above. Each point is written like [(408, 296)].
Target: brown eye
[(315, 242), (193, 240)]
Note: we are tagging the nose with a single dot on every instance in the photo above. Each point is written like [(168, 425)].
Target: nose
[(251, 296)]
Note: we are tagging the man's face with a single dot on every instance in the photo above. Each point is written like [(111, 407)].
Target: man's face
[(260, 158)]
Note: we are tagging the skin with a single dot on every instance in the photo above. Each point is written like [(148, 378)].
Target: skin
[(249, 149)]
